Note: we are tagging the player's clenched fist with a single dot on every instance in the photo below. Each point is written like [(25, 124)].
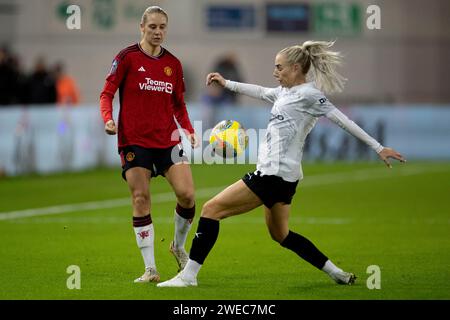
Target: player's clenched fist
[(110, 127)]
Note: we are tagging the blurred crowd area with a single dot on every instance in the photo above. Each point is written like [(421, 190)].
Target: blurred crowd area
[(44, 84), (50, 84)]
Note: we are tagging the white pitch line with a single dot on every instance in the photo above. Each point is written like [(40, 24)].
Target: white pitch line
[(310, 181), (96, 205)]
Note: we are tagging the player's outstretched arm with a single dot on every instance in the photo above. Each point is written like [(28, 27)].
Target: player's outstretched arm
[(345, 123), (251, 90), (386, 153)]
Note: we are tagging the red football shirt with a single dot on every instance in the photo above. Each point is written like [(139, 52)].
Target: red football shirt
[(151, 94)]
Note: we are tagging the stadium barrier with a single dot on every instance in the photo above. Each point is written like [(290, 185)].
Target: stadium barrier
[(45, 139)]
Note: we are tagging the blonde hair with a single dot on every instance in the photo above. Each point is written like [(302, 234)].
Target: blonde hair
[(153, 9), (315, 54)]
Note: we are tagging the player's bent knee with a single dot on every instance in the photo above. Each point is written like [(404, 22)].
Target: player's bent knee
[(140, 199), (278, 235), (275, 237), (210, 210), (186, 198)]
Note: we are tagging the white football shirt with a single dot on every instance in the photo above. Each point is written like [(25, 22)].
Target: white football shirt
[(294, 113)]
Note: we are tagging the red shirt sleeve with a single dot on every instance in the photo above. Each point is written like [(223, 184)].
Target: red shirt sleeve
[(113, 81), (180, 110)]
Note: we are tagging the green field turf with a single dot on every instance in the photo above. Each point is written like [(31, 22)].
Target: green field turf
[(357, 214)]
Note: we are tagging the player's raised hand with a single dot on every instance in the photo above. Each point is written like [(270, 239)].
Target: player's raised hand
[(387, 153), (110, 127), (215, 77)]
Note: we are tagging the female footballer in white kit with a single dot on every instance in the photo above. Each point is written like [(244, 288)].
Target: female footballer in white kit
[(297, 105)]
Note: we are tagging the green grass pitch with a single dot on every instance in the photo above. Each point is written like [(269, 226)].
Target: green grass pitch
[(358, 214)]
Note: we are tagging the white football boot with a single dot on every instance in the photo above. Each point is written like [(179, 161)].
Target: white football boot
[(180, 255), (343, 277), (179, 281), (150, 275)]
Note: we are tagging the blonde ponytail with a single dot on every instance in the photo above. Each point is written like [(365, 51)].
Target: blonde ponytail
[(316, 54)]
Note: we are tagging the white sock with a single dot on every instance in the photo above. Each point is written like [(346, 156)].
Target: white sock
[(145, 238), (330, 268), (182, 227), (191, 270)]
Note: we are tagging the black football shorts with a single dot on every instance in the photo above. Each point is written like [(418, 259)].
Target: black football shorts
[(154, 159), (270, 189)]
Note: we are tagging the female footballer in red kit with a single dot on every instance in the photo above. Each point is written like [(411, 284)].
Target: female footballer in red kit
[(151, 87)]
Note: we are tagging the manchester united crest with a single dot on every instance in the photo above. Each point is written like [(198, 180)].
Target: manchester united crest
[(130, 156), (168, 71)]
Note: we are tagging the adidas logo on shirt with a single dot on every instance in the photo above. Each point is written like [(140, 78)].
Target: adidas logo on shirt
[(141, 69)]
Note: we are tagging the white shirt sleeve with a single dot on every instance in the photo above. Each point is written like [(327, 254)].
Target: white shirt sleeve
[(348, 125), (254, 91)]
